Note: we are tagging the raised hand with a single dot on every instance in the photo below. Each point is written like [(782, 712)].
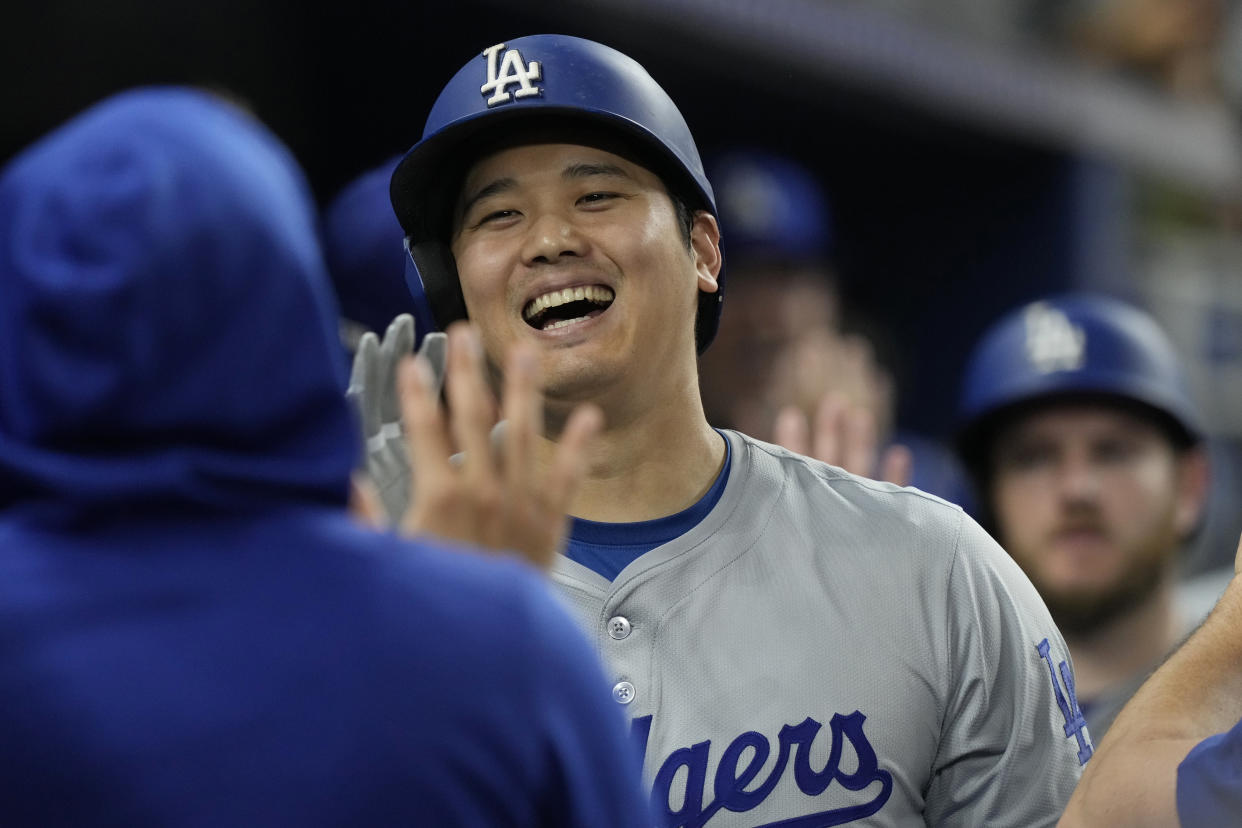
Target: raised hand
[(515, 498), (373, 387), (843, 435)]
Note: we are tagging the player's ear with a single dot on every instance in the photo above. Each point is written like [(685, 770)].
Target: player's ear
[(1192, 487), (705, 248)]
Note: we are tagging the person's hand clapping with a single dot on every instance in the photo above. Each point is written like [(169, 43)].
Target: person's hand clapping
[(514, 498)]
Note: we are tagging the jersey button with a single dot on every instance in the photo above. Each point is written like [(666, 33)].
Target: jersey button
[(623, 692), (619, 627)]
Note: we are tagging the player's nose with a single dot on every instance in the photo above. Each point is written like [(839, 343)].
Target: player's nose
[(552, 236), (1078, 479)]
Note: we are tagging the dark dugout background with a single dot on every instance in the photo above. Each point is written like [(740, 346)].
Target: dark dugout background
[(966, 175), (928, 208)]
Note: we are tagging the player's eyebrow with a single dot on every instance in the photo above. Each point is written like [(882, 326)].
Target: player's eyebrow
[(500, 185), (585, 170), (572, 172)]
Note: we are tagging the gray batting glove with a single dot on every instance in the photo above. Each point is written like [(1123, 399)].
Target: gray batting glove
[(373, 388)]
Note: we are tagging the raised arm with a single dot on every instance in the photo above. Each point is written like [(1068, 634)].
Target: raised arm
[(1196, 694)]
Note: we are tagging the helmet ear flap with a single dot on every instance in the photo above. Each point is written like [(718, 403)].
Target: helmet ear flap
[(436, 270), (708, 318)]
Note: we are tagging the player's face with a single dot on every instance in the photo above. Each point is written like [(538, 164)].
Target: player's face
[(1091, 501), (579, 251)]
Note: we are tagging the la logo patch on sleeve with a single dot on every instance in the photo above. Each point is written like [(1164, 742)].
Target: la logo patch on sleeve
[(1063, 688)]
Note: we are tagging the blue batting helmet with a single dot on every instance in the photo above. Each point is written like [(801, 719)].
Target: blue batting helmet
[(362, 243), (1074, 345), (771, 207), (578, 88)]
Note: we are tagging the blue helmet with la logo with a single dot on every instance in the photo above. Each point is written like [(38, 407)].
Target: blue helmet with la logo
[(771, 207), (553, 87), (1073, 346)]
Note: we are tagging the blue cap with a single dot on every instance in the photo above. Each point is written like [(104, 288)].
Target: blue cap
[(770, 207), (1074, 345), (366, 256)]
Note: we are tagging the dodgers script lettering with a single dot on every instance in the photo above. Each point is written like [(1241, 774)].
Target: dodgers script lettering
[(734, 774)]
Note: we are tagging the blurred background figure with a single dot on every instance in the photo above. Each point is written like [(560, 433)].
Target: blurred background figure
[(192, 629), (1078, 429), (789, 364), (1179, 47), (367, 262), (776, 231), (977, 155), (384, 317), (1173, 45)]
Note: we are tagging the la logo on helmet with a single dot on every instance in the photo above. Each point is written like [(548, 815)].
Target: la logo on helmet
[(1053, 342), (512, 70)]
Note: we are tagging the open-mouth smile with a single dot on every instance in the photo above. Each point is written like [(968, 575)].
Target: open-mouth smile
[(558, 308)]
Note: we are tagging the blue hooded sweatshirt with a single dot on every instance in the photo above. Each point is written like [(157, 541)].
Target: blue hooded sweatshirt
[(192, 631)]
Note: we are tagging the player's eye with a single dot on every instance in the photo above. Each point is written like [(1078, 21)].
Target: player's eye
[(494, 217), (597, 198), (1115, 451), (1026, 457)]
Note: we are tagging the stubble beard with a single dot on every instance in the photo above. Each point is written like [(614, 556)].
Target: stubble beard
[(1083, 611)]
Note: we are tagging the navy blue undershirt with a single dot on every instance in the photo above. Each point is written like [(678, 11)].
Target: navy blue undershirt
[(607, 548)]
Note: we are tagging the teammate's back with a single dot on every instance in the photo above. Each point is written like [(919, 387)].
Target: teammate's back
[(290, 669), (192, 631)]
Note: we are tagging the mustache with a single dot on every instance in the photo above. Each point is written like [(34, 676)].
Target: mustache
[(1079, 516), (1092, 524)]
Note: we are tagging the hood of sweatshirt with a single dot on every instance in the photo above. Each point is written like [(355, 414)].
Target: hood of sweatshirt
[(167, 329)]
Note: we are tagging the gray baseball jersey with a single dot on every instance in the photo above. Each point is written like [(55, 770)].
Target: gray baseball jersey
[(824, 649)]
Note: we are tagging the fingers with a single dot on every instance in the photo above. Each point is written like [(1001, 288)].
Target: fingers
[(791, 430), (420, 412), (513, 497), (398, 342), (829, 442), (568, 470), (427, 443), (858, 441), (897, 465), (843, 435), (473, 409), (433, 349), (364, 503), (358, 369), (364, 383), (523, 416), (569, 464)]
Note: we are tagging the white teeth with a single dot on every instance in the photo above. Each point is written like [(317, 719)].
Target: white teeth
[(555, 298)]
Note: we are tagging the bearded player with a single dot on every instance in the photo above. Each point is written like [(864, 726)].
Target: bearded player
[(1087, 452), (794, 645)]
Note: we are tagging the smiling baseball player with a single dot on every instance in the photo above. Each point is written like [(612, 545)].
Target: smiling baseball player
[(795, 645)]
